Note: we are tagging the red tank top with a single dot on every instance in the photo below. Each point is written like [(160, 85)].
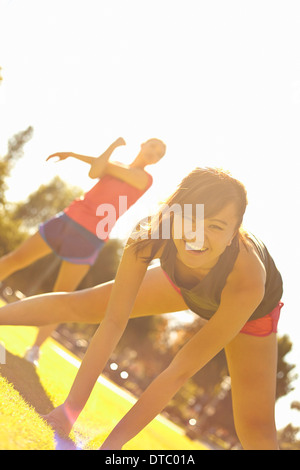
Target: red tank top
[(107, 191)]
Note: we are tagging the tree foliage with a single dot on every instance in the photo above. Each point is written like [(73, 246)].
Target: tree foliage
[(15, 151), (288, 438), (11, 234), (45, 202), (284, 369)]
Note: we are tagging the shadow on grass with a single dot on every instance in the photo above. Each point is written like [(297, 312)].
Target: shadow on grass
[(24, 378)]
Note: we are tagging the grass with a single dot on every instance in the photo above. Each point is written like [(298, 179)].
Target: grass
[(26, 392), (29, 431)]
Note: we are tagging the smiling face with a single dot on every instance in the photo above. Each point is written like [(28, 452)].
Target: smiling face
[(224, 200), (218, 230)]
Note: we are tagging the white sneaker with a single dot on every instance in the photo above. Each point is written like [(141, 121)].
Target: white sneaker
[(32, 355)]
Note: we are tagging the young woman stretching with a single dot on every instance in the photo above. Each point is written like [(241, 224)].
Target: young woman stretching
[(78, 233), (230, 280)]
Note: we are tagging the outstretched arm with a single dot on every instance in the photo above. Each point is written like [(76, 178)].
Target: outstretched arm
[(64, 155), (121, 302), (98, 164), (101, 166), (236, 307)]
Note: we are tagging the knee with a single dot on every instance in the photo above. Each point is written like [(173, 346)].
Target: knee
[(68, 307), (257, 433), (79, 307)]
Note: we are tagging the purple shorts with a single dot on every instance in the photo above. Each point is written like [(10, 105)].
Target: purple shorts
[(70, 241)]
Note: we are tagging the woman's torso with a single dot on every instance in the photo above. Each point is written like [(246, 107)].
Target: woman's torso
[(202, 294), (107, 190)]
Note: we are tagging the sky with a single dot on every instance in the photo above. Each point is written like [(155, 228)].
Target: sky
[(218, 81)]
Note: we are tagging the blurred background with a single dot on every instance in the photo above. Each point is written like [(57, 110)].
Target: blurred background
[(219, 82)]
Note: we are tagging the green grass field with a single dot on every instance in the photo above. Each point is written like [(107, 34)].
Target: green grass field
[(26, 392)]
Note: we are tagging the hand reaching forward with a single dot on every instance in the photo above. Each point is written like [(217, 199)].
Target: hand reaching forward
[(61, 156)]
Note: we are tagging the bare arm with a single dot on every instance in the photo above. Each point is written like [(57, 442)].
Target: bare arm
[(64, 155), (121, 302), (101, 166), (238, 302), (98, 164)]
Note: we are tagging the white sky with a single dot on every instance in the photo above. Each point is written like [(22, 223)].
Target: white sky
[(218, 81)]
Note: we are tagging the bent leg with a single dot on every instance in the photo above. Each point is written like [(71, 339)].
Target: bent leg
[(27, 253), (252, 363), (69, 277), (156, 296)]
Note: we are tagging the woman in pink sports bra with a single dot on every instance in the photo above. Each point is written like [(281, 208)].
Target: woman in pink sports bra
[(227, 277), (72, 234)]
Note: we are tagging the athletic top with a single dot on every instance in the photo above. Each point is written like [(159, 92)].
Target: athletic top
[(107, 191), (204, 298)]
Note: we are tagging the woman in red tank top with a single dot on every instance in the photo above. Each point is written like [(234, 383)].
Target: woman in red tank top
[(72, 234)]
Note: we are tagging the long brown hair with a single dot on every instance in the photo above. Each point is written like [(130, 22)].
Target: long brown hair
[(213, 187)]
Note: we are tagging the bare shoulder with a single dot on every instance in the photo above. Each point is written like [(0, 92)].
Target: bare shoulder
[(248, 271)]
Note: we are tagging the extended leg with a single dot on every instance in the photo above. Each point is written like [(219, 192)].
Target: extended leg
[(27, 253), (156, 296), (69, 277)]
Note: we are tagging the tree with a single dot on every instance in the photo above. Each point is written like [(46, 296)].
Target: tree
[(14, 152), (45, 202), (295, 405), (10, 231), (284, 369), (288, 438)]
